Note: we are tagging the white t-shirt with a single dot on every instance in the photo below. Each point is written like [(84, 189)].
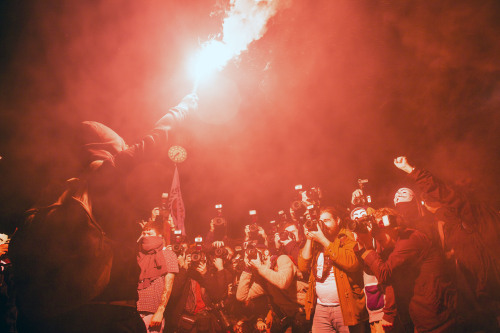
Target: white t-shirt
[(326, 290)]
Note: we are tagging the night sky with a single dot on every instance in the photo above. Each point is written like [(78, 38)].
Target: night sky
[(333, 92)]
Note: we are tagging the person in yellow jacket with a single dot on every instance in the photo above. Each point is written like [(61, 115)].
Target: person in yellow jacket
[(335, 292)]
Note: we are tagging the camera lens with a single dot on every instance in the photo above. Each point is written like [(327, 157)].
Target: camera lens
[(218, 221), (312, 225), (220, 252), (284, 235), (252, 253), (177, 248), (298, 208)]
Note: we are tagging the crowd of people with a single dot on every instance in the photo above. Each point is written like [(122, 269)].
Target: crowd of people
[(428, 263)]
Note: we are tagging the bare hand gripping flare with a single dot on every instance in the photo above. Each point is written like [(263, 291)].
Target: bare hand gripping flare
[(245, 22)]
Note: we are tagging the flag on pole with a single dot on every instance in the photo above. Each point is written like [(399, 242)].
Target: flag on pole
[(175, 203)]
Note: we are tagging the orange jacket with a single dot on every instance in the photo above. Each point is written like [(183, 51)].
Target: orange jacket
[(348, 277)]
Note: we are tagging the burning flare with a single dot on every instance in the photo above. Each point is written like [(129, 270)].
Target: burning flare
[(245, 22)]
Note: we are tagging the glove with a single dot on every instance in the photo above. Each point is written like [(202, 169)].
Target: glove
[(179, 112), (188, 104)]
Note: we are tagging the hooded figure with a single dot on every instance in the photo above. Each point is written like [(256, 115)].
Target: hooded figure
[(100, 142), (111, 163), (406, 204)]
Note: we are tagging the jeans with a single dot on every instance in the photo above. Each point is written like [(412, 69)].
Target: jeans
[(329, 319)]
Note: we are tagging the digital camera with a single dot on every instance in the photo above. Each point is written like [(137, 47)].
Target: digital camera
[(221, 252), (254, 231), (285, 235), (362, 225), (312, 217), (366, 198)]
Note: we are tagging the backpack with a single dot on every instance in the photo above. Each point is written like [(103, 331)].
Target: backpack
[(61, 256)]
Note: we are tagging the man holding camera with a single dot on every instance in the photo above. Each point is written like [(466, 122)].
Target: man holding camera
[(280, 281), (336, 276), (416, 270), (287, 241), (198, 289)]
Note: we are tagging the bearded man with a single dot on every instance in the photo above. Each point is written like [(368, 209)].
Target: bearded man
[(336, 276)]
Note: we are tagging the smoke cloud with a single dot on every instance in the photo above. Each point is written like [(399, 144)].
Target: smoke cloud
[(326, 93)]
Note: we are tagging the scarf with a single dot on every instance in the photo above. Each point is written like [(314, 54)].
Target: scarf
[(151, 260)]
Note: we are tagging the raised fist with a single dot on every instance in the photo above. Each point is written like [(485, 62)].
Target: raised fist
[(401, 163), (356, 196)]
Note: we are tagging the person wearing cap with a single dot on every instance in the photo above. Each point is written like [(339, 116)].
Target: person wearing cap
[(415, 269)]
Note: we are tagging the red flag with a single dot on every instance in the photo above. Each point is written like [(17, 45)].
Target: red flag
[(175, 203)]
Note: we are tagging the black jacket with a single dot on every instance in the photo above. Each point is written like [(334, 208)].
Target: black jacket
[(415, 269)]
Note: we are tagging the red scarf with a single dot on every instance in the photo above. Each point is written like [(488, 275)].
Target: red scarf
[(151, 260)]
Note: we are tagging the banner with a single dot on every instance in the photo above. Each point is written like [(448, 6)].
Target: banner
[(175, 203)]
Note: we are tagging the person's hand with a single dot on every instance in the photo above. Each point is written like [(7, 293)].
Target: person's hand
[(238, 327), (187, 261), (202, 268), (386, 325), (218, 244), (262, 232), (247, 232), (277, 240), (317, 236), (155, 323), (365, 240), (247, 262), (170, 221), (190, 102), (181, 260), (261, 325), (255, 263), (219, 264), (356, 196), (401, 163), (307, 233), (266, 262)]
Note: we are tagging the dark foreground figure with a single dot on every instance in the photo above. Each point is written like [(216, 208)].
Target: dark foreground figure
[(103, 297)]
